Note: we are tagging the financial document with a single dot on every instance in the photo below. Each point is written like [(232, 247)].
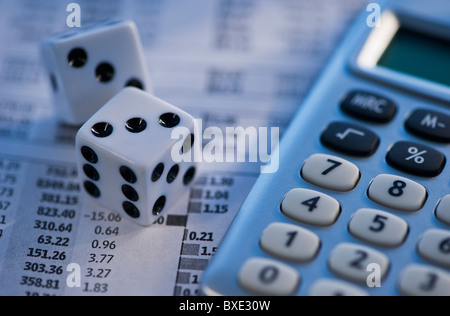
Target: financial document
[(229, 63)]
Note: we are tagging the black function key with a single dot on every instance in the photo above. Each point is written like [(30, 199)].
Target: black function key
[(416, 159), (431, 125), (369, 107), (350, 139)]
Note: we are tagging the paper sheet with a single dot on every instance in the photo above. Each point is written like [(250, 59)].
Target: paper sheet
[(228, 62)]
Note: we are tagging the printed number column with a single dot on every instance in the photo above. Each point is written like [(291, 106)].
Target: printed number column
[(42, 239), (10, 175)]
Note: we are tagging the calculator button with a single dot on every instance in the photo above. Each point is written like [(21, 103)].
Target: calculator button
[(369, 106), (398, 193), (416, 159), (330, 172), (379, 228), (424, 281), (290, 242), (268, 277), (443, 210), (434, 246), (350, 139), (335, 288), (352, 262), (429, 124), (311, 207)]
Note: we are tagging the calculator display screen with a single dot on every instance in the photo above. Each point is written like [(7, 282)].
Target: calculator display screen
[(418, 54)]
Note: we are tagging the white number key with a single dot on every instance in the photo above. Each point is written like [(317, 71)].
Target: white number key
[(331, 173), (398, 193), (379, 228), (268, 277), (311, 207), (290, 242), (435, 247), (424, 281), (351, 262)]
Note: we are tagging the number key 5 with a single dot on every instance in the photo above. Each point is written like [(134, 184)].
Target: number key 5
[(379, 228)]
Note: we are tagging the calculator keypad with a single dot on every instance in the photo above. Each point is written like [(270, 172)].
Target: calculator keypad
[(290, 242), (330, 172), (351, 261), (311, 207), (268, 277), (378, 228), (398, 193)]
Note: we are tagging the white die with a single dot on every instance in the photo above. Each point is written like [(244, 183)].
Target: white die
[(87, 68), (130, 162)]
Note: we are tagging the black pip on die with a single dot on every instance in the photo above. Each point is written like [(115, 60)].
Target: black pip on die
[(87, 68), (128, 159)]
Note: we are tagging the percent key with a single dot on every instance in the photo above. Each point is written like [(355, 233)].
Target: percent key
[(416, 159)]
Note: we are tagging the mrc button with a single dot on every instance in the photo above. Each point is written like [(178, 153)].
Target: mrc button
[(369, 107), (429, 124)]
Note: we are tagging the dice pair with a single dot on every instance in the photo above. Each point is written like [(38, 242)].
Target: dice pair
[(135, 152)]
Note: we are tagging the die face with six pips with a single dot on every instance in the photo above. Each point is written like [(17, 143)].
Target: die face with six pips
[(125, 155)]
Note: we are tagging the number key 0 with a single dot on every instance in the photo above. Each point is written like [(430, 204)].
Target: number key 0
[(268, 277)]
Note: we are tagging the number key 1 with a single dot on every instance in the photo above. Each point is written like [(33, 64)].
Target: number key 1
[(290, 242)]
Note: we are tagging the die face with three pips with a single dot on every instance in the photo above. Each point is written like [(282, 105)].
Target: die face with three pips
[(125, 155), (87, 68)]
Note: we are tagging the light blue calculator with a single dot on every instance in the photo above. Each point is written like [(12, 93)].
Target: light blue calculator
[(361, 202)]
